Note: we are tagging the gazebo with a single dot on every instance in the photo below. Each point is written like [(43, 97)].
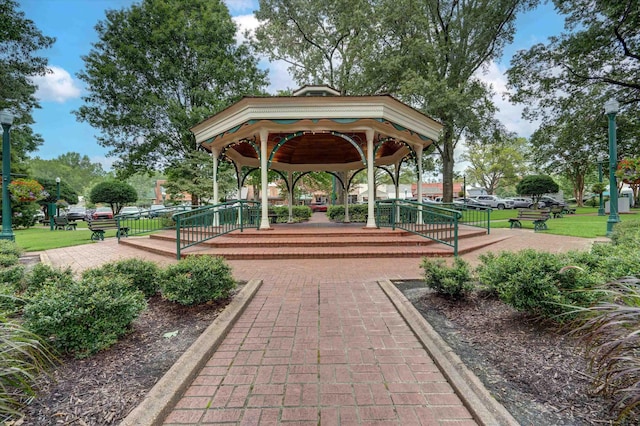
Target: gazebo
[(315, 130)]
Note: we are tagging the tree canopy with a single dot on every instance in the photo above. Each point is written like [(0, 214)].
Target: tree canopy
[(535, 186), (116, 194), (21, 46), (73, 169), (159, 68)]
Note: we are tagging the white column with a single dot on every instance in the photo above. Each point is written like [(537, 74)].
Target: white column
[(290, 185), (264, 221), (346, 201), (371, 182), (214, 154), (419, 159)]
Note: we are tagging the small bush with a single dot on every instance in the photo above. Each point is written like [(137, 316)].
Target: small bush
[(7, 260), (86, 316), (300, 213), (42, 275), (10, 247), (627, 235), (197, 279), (541, 283), (10, 303), (357, 213), (142, 274), (454, 282), (12, 275)]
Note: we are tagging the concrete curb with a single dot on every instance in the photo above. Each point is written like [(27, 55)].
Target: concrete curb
[(483, 407), (167, 392)]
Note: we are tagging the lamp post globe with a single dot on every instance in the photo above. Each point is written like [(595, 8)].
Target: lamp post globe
[(6, 119), (611, 108)]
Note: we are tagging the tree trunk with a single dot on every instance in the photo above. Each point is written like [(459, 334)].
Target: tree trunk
[(447, 164)]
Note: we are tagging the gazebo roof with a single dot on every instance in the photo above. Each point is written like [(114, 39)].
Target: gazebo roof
[(313, 133)]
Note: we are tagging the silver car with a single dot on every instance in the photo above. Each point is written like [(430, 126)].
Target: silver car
[(521, 202)]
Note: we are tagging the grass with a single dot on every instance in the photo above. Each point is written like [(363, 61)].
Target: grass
[(40, 237), (585, 223)]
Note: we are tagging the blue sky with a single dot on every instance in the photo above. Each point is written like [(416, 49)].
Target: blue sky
[(72, 23)]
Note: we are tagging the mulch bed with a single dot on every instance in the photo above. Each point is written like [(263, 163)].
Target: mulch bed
[(535, 370), (104, 388)]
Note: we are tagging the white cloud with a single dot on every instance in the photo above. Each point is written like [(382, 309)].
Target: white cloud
[(510, 115), (245, 22), (56, 86)]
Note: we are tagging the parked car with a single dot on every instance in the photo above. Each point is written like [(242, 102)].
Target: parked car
[(318, 207), (156, 210), (76, 213), (521, 202), (494, 202), (546, 201), (131, 212), (102, 213), (470, 203)]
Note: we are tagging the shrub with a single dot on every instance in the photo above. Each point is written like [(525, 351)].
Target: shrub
[(357, 213), (86, 316), (22, 358), (12, 275), (42, 275), (300, 213), (626, 234), (7, 260), (10, 247), (541, 283), (197, 279), (10, 304), (142, 274), (454, 282)]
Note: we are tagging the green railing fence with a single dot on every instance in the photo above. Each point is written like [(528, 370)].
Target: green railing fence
[(478, 216), (431, 221), (149, 220), (205, 223)]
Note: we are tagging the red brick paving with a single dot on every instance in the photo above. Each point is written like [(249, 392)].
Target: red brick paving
[(319, 344)]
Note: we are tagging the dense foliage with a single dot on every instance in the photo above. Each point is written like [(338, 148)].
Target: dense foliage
[(454, 282), (115, 193), (535, 186), (197, 279), (142, 274)]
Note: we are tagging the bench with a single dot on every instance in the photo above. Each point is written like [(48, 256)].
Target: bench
[(61, 222), (568, 210), (98, 226), (557, 211), (538, 217)]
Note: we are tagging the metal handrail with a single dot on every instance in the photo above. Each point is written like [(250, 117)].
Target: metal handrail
[(431, 221), (204, 223), (149, 221), (478, 216)]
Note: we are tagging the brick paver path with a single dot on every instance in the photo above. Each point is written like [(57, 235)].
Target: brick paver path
[(311, 352)]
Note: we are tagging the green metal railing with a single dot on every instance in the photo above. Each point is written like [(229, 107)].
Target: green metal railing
[(148, 220), (205, 223), (431, 221), (478, 216)]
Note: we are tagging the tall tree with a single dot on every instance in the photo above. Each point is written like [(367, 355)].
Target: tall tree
[(161, 67), (432, 52), (496, 160), (73, 169), (324, 42), (601, 46), (21, 42)]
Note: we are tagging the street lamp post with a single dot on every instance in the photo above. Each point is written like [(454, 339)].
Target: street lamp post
[(57, 196), (6, 119), (601, 205), (611, 108)]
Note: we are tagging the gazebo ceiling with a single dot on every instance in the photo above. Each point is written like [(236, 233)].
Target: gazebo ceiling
[(313, 133)]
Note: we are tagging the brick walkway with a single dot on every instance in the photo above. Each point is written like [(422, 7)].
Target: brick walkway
[(319, 344)]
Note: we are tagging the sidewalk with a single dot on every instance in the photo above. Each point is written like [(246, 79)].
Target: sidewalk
[(320, 343)]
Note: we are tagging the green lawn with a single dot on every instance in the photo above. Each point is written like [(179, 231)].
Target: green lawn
[(585, 223), (42, 238)]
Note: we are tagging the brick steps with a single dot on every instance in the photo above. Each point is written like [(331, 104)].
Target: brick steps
[(318, 243)]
